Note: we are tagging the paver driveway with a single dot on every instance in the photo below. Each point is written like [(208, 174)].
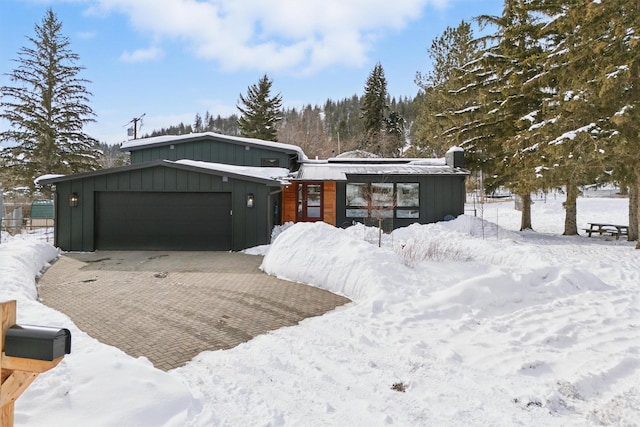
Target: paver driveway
[(170, 306)]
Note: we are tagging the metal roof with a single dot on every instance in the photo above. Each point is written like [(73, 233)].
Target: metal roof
[(340, 171), (139, 144), (237, 172)]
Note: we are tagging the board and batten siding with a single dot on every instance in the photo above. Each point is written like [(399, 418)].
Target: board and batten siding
[(289, 203), (211, 151), (440, 195), (329, 202), (75, 225)]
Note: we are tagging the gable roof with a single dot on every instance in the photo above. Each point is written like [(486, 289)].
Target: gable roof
[(268, 176), (139, 144)]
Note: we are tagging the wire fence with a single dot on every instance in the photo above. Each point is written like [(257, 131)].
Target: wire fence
[(32, 229)]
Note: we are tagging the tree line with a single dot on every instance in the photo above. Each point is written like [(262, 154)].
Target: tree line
[(359, 122)]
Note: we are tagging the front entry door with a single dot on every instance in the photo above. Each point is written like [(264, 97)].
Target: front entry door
[(309, 202)]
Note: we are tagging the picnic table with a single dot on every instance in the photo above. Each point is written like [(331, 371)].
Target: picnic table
[(604, 229)]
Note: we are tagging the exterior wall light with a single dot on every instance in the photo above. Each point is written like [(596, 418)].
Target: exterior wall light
[(250, 200), (73, 200)]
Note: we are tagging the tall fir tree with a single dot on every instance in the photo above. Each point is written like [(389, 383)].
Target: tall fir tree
[(515, 64), (260, 112), (47, 108), (374, 109), (383, 128), (433, 134), (582, 63), (573, 118)]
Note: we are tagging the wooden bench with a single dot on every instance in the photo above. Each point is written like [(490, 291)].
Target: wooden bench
[(604, 229)]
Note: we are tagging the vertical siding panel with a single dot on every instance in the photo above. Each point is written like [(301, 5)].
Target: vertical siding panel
[(135, 180), (193, 181), (158, 179), (124, 181), (100, 183), (197, 151), (206, 152), (112, 182), (170, 179), (179, 151), (329, 202), (88, 214), (182, 180), (289, 205)]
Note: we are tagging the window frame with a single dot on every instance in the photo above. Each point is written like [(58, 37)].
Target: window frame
[(363, 208)]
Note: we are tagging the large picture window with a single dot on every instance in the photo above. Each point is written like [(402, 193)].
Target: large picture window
[(382, 200), (408, 200)]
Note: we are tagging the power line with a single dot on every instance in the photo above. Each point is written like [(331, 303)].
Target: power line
[(135, 125)]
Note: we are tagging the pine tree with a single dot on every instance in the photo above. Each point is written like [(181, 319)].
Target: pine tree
[(374, 109), (198, 124), (515, 65), (583, 69), (260, 112), (444, 91), (47, 109), (394, 134)]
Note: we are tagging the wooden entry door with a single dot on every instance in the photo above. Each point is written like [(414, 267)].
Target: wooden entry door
[(310, 202)]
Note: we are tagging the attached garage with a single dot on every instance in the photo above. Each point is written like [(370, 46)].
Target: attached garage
[(167, 205), (163, 221)]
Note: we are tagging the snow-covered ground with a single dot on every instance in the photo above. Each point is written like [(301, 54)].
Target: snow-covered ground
[(462, 323)]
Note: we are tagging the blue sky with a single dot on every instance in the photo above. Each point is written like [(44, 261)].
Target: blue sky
[(171, 59)]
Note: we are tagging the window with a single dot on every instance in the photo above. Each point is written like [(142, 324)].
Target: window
[(357, 205), (383, 200), (407, 200), (270, 163)]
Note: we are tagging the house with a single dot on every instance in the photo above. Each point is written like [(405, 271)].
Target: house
[(215, 192), (344, 190)]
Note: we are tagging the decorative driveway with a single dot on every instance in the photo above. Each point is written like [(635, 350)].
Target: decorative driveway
[(170, 306)]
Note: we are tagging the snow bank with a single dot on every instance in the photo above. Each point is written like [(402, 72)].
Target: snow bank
[(96, 384), (462, 323)]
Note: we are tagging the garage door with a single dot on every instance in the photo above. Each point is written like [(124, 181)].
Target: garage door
[(163, 221)]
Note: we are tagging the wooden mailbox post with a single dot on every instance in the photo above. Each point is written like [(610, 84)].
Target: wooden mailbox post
[(17, 372)]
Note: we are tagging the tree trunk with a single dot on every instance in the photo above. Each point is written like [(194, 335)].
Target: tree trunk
[(525, 222), (633, 211), (570, 210), (637, 211)]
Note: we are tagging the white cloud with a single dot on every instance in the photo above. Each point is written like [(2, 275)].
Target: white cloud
[(142, 55), (268, 35), (86, 35)]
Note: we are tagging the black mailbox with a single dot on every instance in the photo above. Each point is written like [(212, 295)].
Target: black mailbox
[(37, 342)]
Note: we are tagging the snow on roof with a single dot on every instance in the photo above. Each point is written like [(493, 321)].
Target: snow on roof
[(339, 171), (47, 176), (357, 154), (177, 139), (277, 174)]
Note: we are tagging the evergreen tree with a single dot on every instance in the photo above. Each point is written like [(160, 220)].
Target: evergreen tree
[(374, 109), (47, 109), (444, 91), (260, 112), (394, 134), (515, 65), (588, 69), (198, 125)]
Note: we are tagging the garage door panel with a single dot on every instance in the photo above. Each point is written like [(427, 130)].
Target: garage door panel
[(163, 221)]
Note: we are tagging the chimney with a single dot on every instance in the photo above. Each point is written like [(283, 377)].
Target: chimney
[(454, 157)]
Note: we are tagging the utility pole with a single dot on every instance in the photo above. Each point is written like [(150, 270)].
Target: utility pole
[(135, 125)]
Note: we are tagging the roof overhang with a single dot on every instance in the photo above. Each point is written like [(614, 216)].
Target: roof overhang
[(340, 171), (236, 172), (156, 141)]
